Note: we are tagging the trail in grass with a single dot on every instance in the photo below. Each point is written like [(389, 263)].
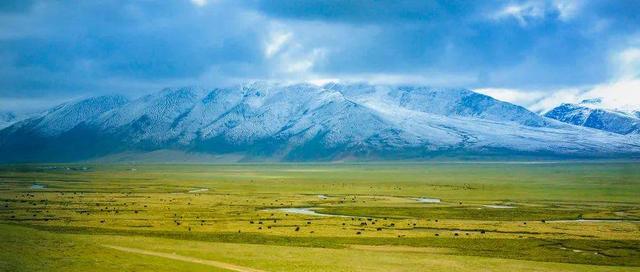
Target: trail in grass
[(217, 264)]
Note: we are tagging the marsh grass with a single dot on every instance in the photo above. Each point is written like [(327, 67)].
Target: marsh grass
[(80, 205)]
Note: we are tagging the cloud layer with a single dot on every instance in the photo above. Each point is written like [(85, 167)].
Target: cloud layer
[(73, 48)]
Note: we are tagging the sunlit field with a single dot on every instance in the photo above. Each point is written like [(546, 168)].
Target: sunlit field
[(321, 217)]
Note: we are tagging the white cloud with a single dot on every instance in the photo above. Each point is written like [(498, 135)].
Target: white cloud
[(554, 99), (319, 81), (622, 92), (199, 3), (627, 63), (619, 95), (528, 11), (522, 12), (431, 78), (513, 96), (289, 57), (302, 63), (567, 9), (622, 95), (275, 43), (535, 100)]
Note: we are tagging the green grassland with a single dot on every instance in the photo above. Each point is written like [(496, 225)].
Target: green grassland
[(492, 217)]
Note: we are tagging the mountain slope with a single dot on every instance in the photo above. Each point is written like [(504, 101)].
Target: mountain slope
[(447, 102), (588, 114), (302, 122), (51, 136), (7, 118)]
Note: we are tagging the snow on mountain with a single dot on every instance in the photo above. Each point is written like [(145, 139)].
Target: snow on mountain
[(588, 113), (65, 117), (304, 122), (151, 118), (448, 102), (7, 118)]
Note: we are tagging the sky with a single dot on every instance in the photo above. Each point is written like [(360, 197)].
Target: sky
[(534, 53)]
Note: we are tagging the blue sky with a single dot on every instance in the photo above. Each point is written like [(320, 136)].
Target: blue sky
[(534, 53)]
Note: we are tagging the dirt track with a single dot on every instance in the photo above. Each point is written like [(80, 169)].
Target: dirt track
[(217, 264)]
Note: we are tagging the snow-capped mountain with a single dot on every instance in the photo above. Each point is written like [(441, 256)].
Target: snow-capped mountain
[(588, 113), (7, 118), (261, 121), (68, 115)]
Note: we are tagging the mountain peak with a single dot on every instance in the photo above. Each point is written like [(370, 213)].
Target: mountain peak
[(68, 115), (587, 114), (302, 122)]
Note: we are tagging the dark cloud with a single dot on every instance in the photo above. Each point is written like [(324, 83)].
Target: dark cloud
[(362, 11), (70, 48), (12, 6)]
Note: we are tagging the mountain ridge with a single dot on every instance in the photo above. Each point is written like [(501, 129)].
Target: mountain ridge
[(304, 122), (588, 113)]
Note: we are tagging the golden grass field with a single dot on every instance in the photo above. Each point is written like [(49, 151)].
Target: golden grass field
[(321, 217)]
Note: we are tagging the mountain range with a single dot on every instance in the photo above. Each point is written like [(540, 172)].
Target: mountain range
[(304, 122), (7, 118), (589, 113)]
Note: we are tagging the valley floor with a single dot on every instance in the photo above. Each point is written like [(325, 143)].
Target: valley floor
[(321, 217)]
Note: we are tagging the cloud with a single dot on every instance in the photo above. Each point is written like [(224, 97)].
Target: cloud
[(524, 12), (276, 41), (554, 99), (303, 63), (533, 11), (618, 95), (623, 95), (371, 12), (628, 63), (289, 57), (568, 9), (536, 100), (22, 106), (524, 98), (77, 50), (74, 48), (620, 92), (199, 3), (11, 6)]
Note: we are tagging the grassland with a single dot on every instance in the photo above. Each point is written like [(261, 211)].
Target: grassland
[(491, 217)]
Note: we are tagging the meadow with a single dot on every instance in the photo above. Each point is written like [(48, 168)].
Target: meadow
[(484, 216)]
